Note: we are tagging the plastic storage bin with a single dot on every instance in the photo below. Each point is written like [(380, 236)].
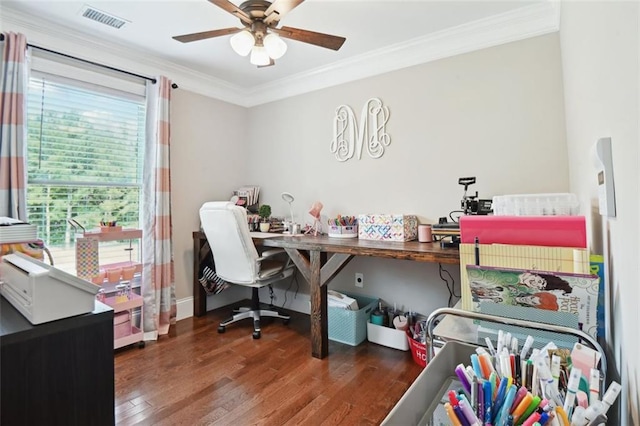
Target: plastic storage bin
[(387, 336), (350, 231), (560, 204), (422, 403), (350, 327)]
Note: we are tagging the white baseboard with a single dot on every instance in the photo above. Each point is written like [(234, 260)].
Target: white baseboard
[(184, 308)]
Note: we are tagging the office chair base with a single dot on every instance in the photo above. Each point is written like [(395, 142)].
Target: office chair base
[(244, 313), (254, 312)]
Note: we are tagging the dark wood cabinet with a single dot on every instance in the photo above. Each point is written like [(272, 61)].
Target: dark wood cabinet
[(57, 373)]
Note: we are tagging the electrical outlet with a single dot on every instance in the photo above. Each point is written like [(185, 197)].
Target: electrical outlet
[(359, 280)]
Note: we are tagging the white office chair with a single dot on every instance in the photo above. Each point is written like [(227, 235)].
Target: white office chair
[(237, 261)]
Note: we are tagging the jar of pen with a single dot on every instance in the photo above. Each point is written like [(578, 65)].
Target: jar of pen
[(507, 386), (343, 227)]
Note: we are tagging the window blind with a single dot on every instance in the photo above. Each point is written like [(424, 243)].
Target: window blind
[(84, 158)]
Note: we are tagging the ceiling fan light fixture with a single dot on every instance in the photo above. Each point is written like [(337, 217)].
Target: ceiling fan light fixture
[(242, 42), (259, 56), (276, 47)]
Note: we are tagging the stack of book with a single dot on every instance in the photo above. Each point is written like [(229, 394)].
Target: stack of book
[(248, 197), (15, 231)]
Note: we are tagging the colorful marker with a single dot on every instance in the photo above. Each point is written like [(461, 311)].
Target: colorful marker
[(501, 419), (522, 407), (488, 396), (452, 415), (535, 401), (519, 397), (460, 415)]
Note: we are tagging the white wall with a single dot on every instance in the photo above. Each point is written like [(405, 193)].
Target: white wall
[(497, 114), (600, 54), (208, 148)]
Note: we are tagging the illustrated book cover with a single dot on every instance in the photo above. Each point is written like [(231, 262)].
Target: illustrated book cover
[(541, 291)]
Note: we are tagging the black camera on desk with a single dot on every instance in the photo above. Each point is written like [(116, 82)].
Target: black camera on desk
[(470, 204)]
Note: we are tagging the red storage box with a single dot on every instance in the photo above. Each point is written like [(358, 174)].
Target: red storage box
[(418, 351)]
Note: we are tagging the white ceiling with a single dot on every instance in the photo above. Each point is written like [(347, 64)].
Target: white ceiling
[(381, 36)]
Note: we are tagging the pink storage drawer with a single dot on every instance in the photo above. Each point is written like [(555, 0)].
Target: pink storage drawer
[(121, 324)]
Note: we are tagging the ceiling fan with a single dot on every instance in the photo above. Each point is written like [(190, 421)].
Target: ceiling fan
[(261, 36)]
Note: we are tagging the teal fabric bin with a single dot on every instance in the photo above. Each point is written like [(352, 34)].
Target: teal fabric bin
[(350, 327)]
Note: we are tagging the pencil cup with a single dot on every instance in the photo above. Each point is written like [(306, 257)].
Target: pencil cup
[(400, 323), (424, 233), (377, 317)]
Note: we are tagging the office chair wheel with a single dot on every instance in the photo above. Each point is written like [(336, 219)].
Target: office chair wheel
[(221, 329), (285, 321), (256, 334)]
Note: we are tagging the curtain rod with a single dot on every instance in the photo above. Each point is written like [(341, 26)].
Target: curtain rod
[(153, 80)]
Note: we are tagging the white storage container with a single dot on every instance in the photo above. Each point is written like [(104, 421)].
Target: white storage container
[(387, 336), (560, 204)]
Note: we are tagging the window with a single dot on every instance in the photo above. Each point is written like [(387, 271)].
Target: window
[(84, 162)]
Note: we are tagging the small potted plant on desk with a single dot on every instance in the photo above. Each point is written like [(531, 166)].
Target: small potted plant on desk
[(265, 213)]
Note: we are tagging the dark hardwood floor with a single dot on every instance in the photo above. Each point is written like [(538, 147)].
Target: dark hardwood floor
[(196, 376)]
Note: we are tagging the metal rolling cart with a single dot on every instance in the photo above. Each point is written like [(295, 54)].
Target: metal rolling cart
[(422, 403)]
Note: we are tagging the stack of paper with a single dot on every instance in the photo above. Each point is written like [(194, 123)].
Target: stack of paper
[(15, 231)]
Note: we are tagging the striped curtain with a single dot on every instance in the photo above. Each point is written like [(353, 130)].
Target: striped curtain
[(14, 79), (158, 285)]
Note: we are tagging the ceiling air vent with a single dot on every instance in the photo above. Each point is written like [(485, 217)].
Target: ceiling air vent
[(94, 14)]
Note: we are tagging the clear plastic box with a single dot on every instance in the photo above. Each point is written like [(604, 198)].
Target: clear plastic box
[(560, 204)]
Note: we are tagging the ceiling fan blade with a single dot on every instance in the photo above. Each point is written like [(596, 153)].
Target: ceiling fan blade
[(278, 9), (232, 9), (186, 38), (306, 36)]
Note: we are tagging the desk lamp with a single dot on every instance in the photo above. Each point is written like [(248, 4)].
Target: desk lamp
[(289, 198), (315, 210)]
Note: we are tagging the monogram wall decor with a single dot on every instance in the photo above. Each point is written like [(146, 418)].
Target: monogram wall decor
[(349, 138)]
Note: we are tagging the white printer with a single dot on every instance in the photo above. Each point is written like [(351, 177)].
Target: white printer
[(43, 293)]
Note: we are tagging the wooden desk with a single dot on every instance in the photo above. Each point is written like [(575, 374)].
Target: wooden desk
[(344, 250), (318, 274)]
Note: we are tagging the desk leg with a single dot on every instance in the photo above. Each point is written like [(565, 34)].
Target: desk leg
[(200, 251), (319, 322)]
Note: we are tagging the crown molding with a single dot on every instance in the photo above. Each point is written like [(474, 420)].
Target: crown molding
[(69, 41), (531, 21), (525, 22)]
